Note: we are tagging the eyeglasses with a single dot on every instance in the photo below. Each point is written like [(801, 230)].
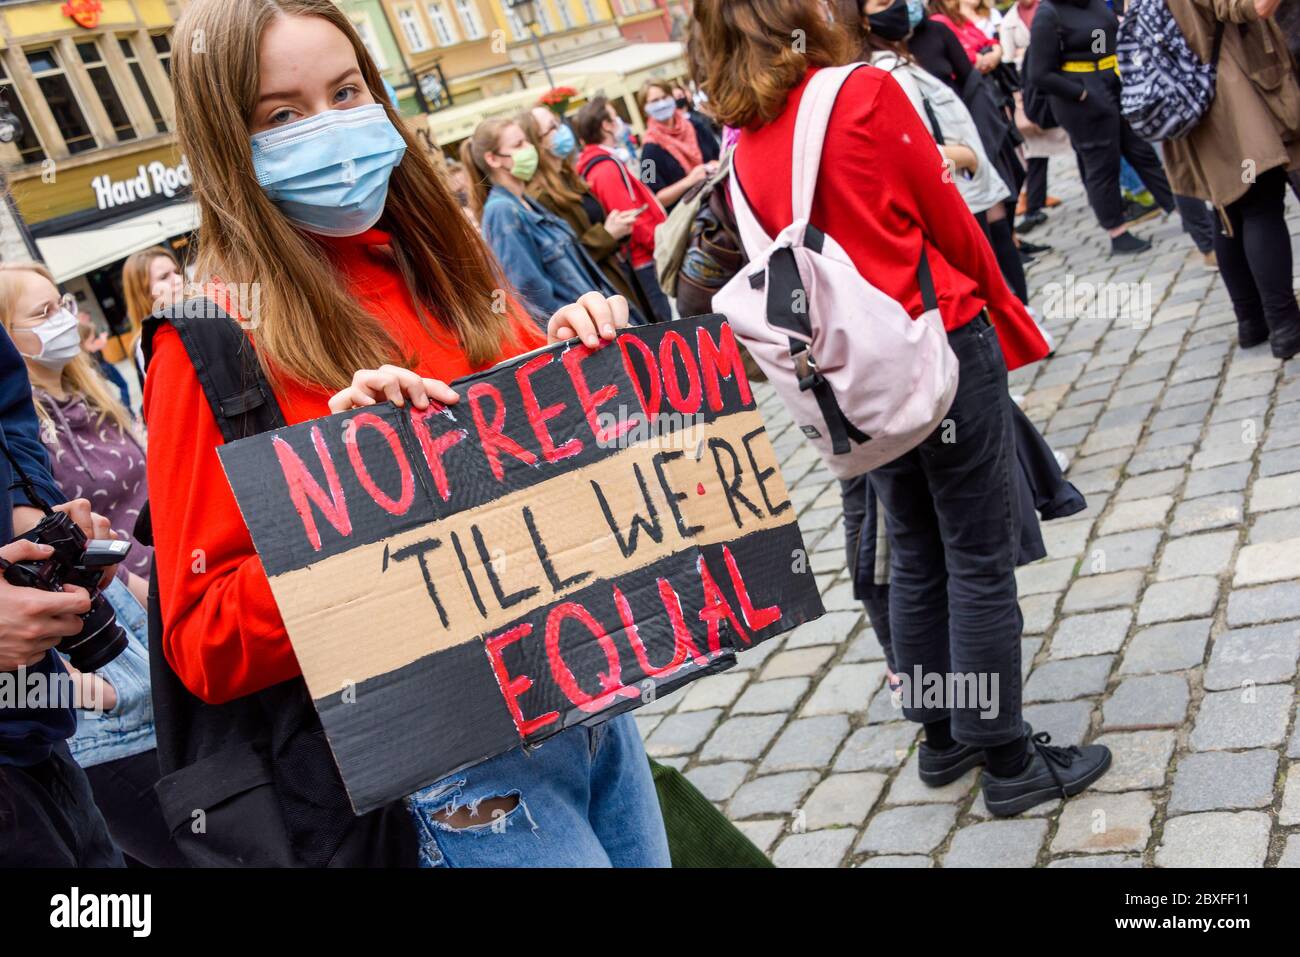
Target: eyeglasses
[(67, 302)]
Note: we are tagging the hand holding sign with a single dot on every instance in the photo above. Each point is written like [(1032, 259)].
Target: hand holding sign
[(393, 384), (592, 318)]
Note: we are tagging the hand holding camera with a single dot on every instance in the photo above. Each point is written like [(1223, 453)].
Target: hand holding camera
[(35, 620)]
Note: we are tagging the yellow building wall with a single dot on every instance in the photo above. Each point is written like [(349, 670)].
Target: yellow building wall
[(49, 17)]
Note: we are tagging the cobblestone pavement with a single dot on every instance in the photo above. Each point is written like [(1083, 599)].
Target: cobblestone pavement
[(1165, 621)]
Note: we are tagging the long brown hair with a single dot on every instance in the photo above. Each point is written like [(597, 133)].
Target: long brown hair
[(749, 54), (309, 327), (473, 153), (135, 281), (555, 177), (79, 376)]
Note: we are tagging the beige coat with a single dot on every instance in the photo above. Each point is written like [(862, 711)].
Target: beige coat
[(1253, 125)]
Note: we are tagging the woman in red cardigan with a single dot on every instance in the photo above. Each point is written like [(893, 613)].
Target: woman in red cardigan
[(952, 512)]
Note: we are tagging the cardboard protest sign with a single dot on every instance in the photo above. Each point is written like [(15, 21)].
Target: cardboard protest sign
[(584, 530)]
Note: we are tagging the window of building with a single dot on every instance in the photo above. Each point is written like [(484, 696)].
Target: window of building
[(162, 45), (566, 15), (411, 29), (29, 145), (590, 10), (441, 20), (367, 34), (469, 19), (516, 25), (544, 20), (137, 71), (97, 69), (56, 89)]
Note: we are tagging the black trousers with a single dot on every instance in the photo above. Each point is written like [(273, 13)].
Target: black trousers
[(1255, 262), (1036, 183), (952, 512), (1003, 241), (48, 817), (1199, 221), (123, 790), (1100, 136)]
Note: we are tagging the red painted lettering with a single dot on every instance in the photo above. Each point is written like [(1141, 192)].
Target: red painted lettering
[(513, 687), (306, 491), (649, 404), (611, 682), (494, 441), (756, 618), (435, 448), (592, 401), (368, 420), (716, 607), (720, 360), (537, 416), (689, 403)]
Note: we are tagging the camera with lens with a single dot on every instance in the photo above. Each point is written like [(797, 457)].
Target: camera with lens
[(76, 561)]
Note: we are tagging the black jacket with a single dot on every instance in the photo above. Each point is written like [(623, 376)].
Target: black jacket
[(1064, 31)]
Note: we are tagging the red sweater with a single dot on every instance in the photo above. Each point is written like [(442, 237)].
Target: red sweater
[(222, 630), (617, 188), (881, 193)]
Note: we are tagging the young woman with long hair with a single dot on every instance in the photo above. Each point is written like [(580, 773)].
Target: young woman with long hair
[(540, 254), (558, 187), (272, 94), (951, 504), (678, 149)]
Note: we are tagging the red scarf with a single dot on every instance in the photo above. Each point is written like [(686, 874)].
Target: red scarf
[(678, 138)]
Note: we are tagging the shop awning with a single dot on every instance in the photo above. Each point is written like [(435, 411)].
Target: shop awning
[(622, 71), (77, 253), (457, 122)]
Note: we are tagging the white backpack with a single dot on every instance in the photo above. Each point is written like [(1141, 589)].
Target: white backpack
[(863, 380)]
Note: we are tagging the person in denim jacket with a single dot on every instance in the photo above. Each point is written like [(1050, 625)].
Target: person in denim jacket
[(542, 258)]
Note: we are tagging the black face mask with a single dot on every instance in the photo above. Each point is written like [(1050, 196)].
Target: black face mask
[(683, 104), (891, 23)]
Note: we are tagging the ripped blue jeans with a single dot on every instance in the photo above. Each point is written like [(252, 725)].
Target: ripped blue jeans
[(585, 798)]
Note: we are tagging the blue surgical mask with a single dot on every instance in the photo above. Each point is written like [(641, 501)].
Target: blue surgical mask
[(915, 12), (563, 142), (329, 173), (661, 110)]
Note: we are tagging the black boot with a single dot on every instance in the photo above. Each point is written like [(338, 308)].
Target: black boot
[(1251, 332), (1052, 772)]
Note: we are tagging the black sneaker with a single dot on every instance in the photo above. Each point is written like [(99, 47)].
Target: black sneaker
[(1031, 221), (1126, 243), (937, 768), (1135, 212), (1052, 772), (1034, 248)]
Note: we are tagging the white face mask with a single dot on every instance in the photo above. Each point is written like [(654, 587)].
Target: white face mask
[(60, 340)]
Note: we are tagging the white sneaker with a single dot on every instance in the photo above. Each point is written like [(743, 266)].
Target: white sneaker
[(1062, 459)]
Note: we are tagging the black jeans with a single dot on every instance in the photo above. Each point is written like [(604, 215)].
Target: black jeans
[(659, 305), (1199, 221), (123, 790), (1035, 183), (1100, 135), (1003, 242), (861, 526), (48, 817), (1255, 262), (953, 514)]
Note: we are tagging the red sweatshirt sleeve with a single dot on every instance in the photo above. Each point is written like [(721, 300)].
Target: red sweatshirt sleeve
[(222, 632), (898, 153)]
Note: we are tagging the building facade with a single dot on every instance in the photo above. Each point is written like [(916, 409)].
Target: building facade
[(93, 171)]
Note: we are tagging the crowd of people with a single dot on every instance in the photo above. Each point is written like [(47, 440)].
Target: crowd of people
[(549, 227)]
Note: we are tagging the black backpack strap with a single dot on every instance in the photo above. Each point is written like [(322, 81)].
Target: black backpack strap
[(225, 363), (622, 170)]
